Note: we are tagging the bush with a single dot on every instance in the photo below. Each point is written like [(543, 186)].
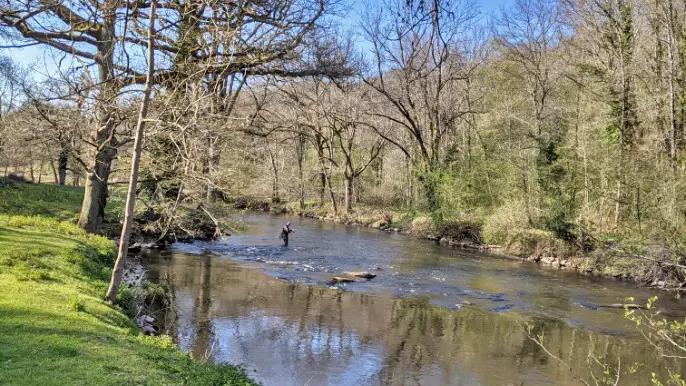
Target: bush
[(505, 220), (422, 226), (459, 230)]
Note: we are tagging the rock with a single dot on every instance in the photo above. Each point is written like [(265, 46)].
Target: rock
[(379, 224), (547, 259), (564, 263), (467, 303), (149, 319), (140, 321), (620, 305), (555, 264), (363, 275), (149, 330), (135, 247), (339, 279)]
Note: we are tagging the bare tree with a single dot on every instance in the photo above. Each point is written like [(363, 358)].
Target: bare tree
[(260, 38), (118, 270), (416, 71), (345, 117)]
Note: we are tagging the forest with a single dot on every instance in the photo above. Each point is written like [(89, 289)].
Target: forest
[(547, 128)]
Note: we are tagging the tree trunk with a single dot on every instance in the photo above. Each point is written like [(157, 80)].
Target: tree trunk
[(348, 193), (322, 175), (95, 196), (301, 175), (212, 162), (54, 172), (430, 192), (275, 177), (672, 92), (135, 162), (62, 163), (40, 172)]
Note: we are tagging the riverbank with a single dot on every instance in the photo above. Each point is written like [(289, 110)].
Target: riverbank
[(525, 244), (56, 327)]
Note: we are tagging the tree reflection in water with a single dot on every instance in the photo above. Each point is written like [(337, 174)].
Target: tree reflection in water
[(286, 333)]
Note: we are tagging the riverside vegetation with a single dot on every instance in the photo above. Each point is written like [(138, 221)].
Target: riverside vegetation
[(552, 128), (56, 327)]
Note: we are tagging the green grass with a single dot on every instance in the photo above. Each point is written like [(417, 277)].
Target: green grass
[(61, 202), (56, 330)]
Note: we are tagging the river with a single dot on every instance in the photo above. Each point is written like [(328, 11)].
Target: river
[(248, 300)]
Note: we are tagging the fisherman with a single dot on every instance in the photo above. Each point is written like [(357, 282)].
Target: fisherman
[(285, 231)]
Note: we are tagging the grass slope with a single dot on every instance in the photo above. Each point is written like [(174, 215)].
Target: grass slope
[(55, 329), (60, 202)]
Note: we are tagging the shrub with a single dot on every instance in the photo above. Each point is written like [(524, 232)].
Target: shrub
[(505, 220), (422, 226)]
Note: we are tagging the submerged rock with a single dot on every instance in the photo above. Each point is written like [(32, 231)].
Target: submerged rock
[(363, 275), (340, 279), (623, 306)]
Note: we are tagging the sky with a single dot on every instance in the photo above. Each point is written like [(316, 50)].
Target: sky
[(43, 62)]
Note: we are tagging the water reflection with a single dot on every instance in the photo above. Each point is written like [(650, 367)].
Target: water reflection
[(292, 334)]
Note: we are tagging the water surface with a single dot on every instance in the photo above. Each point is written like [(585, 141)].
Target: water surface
[(251, 301)]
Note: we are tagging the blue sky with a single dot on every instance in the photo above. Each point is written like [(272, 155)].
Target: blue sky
[(42, 61)]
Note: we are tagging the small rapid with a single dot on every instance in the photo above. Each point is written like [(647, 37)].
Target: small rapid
[(248, 296)]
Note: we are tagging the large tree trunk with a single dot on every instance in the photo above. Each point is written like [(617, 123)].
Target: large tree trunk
[(135, 162), (95, 196), (62, 163)]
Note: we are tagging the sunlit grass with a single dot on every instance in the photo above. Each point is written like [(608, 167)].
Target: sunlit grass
[(61, 202), (54, 327)]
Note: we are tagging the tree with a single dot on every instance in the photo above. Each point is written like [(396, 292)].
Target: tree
[(345, 117), (260, 38), (416, 70), (118, 270), (530, 35)]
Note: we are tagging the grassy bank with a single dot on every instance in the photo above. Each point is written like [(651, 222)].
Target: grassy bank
[(499, 234), (55, 328)]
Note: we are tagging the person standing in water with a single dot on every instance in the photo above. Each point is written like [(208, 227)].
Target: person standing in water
[(285, 231)]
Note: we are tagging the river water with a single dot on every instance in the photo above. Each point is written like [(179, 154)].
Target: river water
[(248, 300)]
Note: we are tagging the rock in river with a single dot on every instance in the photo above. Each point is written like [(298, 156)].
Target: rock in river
[(340, 279), (363, 275)]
